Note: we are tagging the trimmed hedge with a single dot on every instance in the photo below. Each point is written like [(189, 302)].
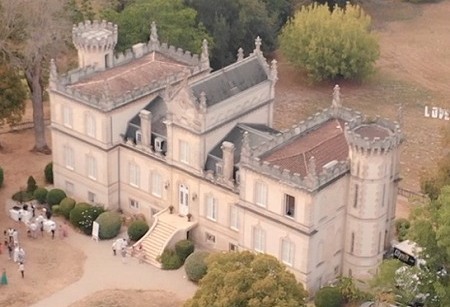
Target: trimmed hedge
[(56, 210), (137, 229), (55, 196), (184, 248), (22, 196), (328, 297), (48, 172), (1, 176), (83, 215), (170, 260), (40, 194), (195, 265), (31, 185), (109, 225), (65, 206)]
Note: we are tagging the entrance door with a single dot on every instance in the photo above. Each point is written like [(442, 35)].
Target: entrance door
[(183, 207)]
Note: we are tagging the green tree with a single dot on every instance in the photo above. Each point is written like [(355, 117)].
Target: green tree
[(247, 279), (330, 45), (235, 24), (31, 33), (176, 23), (12, 96)]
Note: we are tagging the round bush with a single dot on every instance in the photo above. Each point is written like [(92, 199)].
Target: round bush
[(328, 297), (184, 248), (195, 265), (55, 196), (83, 215), (31, 184), (56, 210), (40, 194), (1, 176), (65, 206), (48, 172), (170, 260), (109, 223), (137, 229), (22, 196)]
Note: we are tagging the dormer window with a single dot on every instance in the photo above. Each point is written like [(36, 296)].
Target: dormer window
[(159, 144), (138, 136), (219, 169)]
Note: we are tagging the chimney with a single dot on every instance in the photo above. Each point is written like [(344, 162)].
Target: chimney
[(146, 127), (228, 160)]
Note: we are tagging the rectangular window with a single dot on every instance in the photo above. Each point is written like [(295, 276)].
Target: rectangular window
[(67, 117), (156, 184), (234, 218), (289, 205), (287, 252), (134, 174), (69, 158), (184, 152), (210, 238), (91, 167), (90, 125), (233, 247), (355, 200), (134, 204), (260, 194), (211, 208), (92, 198), (259, 239), (138, 137)]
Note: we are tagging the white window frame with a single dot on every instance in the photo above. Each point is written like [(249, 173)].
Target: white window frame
[(156, 184), (287, 252), (91, 166), (234, 218), (69, 157), (133, 203), (134, 174), (260, 194), (67, 116), (90, 125), (211, 208), (184, 152), (259, 239)]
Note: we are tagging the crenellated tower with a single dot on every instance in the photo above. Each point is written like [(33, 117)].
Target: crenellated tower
[(95, 42), (374, 173)]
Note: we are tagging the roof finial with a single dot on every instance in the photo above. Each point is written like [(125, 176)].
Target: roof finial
[(245, 149), (336, 96), (203, 105), (204, 57), (240, 54), (154, 42), (258, 43), (274, 70)]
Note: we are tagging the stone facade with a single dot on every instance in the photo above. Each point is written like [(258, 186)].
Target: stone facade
[(154, 127)]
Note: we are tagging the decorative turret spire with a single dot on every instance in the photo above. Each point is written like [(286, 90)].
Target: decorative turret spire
[(336, 97), (274, 70), (240, 54), (53, 74), (204, 57), (258, 43), (245, 149), (153, 35), (203, 105)]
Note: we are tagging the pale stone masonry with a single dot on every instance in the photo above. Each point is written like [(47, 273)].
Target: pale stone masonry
[(154, 127)]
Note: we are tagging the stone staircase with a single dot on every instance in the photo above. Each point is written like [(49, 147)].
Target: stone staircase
[(155, 241)]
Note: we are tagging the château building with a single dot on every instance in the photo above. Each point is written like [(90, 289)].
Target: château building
[(154, 129)]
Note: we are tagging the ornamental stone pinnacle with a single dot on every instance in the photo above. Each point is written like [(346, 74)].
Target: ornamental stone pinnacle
[(240, 54), (336, 97), (258, 43)]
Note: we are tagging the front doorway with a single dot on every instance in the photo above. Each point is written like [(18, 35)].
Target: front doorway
[(183, 201)]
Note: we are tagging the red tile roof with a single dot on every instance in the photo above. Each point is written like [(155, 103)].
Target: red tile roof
[(135, 74), (326, 143)]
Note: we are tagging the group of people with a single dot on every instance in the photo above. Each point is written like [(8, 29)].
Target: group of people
[(15, 252), (121, 245)]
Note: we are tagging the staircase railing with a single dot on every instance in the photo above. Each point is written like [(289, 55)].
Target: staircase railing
[(155, 222)]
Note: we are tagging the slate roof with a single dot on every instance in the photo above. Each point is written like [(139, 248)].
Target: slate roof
[(230, 81), (326, 143), (135, 74), (158, 126), (257, 134)]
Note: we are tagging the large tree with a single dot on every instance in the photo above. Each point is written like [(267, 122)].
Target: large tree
[(330, 45), (235, 24), (247, 279), (12, 96), (31, 33), (176, 24)]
